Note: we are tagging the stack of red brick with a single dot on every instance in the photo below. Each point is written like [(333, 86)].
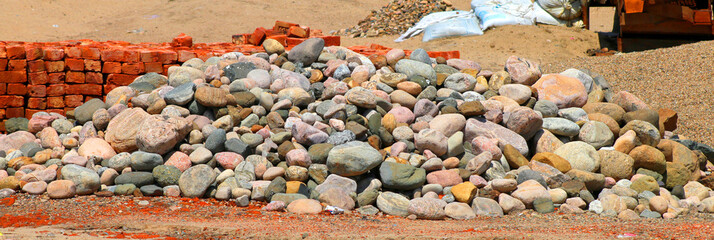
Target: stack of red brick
[(288, 34), (59, 76)]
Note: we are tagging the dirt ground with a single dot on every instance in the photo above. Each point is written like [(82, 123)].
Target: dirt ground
[(91, 217), (215, 21)]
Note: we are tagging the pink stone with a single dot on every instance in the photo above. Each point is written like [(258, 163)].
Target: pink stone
[(337, 124), (483, 144), (61, 189), (461, 64), (478, 181), (445, 178), (402, 114), (3, 174), (228, 160), (35, 188), (15, 140), (39, 122), (76, 160), (609, 182), (397, 147), (564, 91), (179, 160), (308, 135), (383, 95), (96, 147), (628, 101), (49, 138), (172, 191), (264, 132), (275, 206), (448, 124), (298, 157), (429, 154)]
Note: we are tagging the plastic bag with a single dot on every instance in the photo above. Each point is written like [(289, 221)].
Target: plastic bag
[(541, 16), (453, 27), (562, 9), (494, 13), (430, 19)]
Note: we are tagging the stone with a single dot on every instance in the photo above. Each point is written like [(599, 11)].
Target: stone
[(647, 133), (580, 155), (529, 191), (459, 211), (510, 204), (460, 82), (413, 68), (166, 175), (308, 135), (337, 181), (353, 158), (519, 93), (616, 164), (35, 188), (305, 206), (658, 204), (486, 207), (561, 126), (445, 178), (96, 147), (123, 128), (401, 176), (481, 127), (553, 160), (432, 140), (427, 208), (338, 198), (645, 183), (195, 181), (85, 180), (522, 71), (513, 157), (273, 46), (84, 112), (524, 121), (159, 135), (543, 205), (307, 52), (696, 189), (143, 161), (677, 174), (527, 174), (448, 124), (562, 90), (59, 189), (648, 157), (596, 134), (181, 95), (393, 204), (464, 192)]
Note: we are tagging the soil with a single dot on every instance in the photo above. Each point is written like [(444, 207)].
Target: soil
[(676, 78), (91, 217)]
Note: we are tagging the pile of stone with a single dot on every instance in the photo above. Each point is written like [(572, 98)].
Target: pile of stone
[(409, 136), (395, 17)]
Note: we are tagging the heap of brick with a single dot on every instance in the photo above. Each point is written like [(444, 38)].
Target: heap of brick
[(288, 34), (60, 76)]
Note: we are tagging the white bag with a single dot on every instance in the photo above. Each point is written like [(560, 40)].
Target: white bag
[(562, 9), (494, 13), (432, 19), (452, 28), (541, 16)]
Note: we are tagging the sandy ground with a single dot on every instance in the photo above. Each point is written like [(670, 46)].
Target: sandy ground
[(90, 217)]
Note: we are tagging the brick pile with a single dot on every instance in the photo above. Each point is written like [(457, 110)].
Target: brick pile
[(60, 76)]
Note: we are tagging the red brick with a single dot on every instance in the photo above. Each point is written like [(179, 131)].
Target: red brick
[(258, 36), (55, 90), (300, 32), (3, 64), (121, 79), (17, 65), (16, 89), (53, 54), (37, 91), (33, 52), (149, 56), (55, 66), (3, 88), (73, 52), (119, 55), (93, 77), (168, 57), (132, 68), (36, 66), (331, 40), (73, 100), (156, 67), (55, 78), (91, 53), (37, 103), (184, 55), (11, 101), (74, 64), (15, 112), (109, 87), (30, 112), (294, 41), (39, 78), (132, 56), (92, 65), (3, 52), (281, 26), (2, 116), (84, 89), (13, 77), (55, 102), (282, 39), (75, 77), (15, 52), (111, 67), (182, 40)]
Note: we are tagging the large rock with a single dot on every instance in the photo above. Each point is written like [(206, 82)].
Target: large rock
[(393, 204), (85, 180), (96, 147), (337, 181), (307, 52), (459, 211), (432, 140), (338, 198), (401, 176), (353, 158), (564, 91), (448, 124), (529, 191), (413, 68), (597, 134), (306, 134), (580, 155), (211, 97), (427, 208), (195, 180), (522, 71), (305, 206), (486, 207), (61, 189), (481, 127), (159, 134), (123, 128), (615, 164), (84, 112), (647, 133), (524, 121)]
